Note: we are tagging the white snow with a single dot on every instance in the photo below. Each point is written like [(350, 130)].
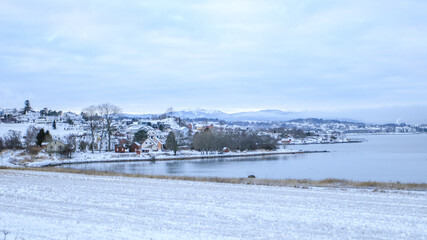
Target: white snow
[(46, 205)]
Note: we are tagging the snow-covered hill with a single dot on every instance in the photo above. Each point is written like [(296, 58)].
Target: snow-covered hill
[(380, 115), (262, 115)]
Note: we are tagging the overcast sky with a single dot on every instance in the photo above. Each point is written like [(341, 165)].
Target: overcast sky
[(229, 55)]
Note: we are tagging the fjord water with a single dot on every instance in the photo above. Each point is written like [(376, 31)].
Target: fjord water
[(379, 158)]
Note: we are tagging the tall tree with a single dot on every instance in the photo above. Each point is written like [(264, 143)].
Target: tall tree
[(70, 146), (90, 114), (27, 107), (44, 111), (30, 137), (48, 137), (169, 112), (108, 113), (1, 144), (40, 137), (140, 136), (171, 143)]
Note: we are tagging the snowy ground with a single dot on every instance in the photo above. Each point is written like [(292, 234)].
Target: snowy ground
[(46, 205), (60, 132)]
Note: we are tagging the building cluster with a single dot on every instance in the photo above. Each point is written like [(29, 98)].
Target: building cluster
[(72, 129), (331, 127)]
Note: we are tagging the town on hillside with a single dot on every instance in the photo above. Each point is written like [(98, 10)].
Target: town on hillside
[(104, 128)]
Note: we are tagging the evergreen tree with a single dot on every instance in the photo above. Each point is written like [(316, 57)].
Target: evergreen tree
[(48, 137), (140, 136), (27, 107), (40, 137), (1, 144), (171, 143)]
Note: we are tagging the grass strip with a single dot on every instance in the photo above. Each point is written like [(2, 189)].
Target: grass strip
[(297, 183)]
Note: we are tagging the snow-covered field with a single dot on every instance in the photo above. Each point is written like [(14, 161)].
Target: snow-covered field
[(47, 205), (60, 132)]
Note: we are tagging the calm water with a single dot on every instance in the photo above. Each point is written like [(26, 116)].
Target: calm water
[(380, 158)]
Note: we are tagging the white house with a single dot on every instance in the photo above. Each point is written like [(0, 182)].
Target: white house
[(154, 141), (55, 146)]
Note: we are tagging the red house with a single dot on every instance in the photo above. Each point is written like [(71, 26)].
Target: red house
[(120, 149), (134, 147)]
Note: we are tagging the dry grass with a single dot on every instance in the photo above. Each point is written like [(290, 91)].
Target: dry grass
[(297, 183)]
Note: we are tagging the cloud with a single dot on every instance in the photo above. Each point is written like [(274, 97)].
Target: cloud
[(223, 54)]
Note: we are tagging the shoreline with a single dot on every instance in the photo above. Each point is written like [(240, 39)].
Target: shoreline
[(331, 183), (324, 143), (172, 158)]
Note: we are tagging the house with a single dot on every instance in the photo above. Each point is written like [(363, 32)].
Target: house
[(44, 145), (134, 147), (152, 144), (206, 127), (154, 141), (135, 128), (55, 146), (29, 117), (119, 149)]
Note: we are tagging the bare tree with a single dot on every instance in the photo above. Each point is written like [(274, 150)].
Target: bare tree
[(70, 146), (169, 112), (90, 114), (13, 140), (71, 140), (108, 113), (30, 137)]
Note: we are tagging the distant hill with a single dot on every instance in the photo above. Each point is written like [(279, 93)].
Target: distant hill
[(263, 115), (409, 114)]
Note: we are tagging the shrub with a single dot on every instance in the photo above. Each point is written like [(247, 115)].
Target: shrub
[(67, 151), (34, 150), (13, 140)]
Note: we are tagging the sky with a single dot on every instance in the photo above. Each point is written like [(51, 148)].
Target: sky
[(228, 55)]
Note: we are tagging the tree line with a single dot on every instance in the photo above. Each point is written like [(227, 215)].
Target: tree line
[(215, 141)]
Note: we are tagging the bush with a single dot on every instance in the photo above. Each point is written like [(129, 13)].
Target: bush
[(13, 140), (34, 150), (67, 151)]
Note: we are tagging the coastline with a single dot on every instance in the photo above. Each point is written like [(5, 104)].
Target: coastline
[(188, 157), (19, 159)]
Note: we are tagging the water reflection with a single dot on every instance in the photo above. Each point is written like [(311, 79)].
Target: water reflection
[(174, 167), (381, 158)]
